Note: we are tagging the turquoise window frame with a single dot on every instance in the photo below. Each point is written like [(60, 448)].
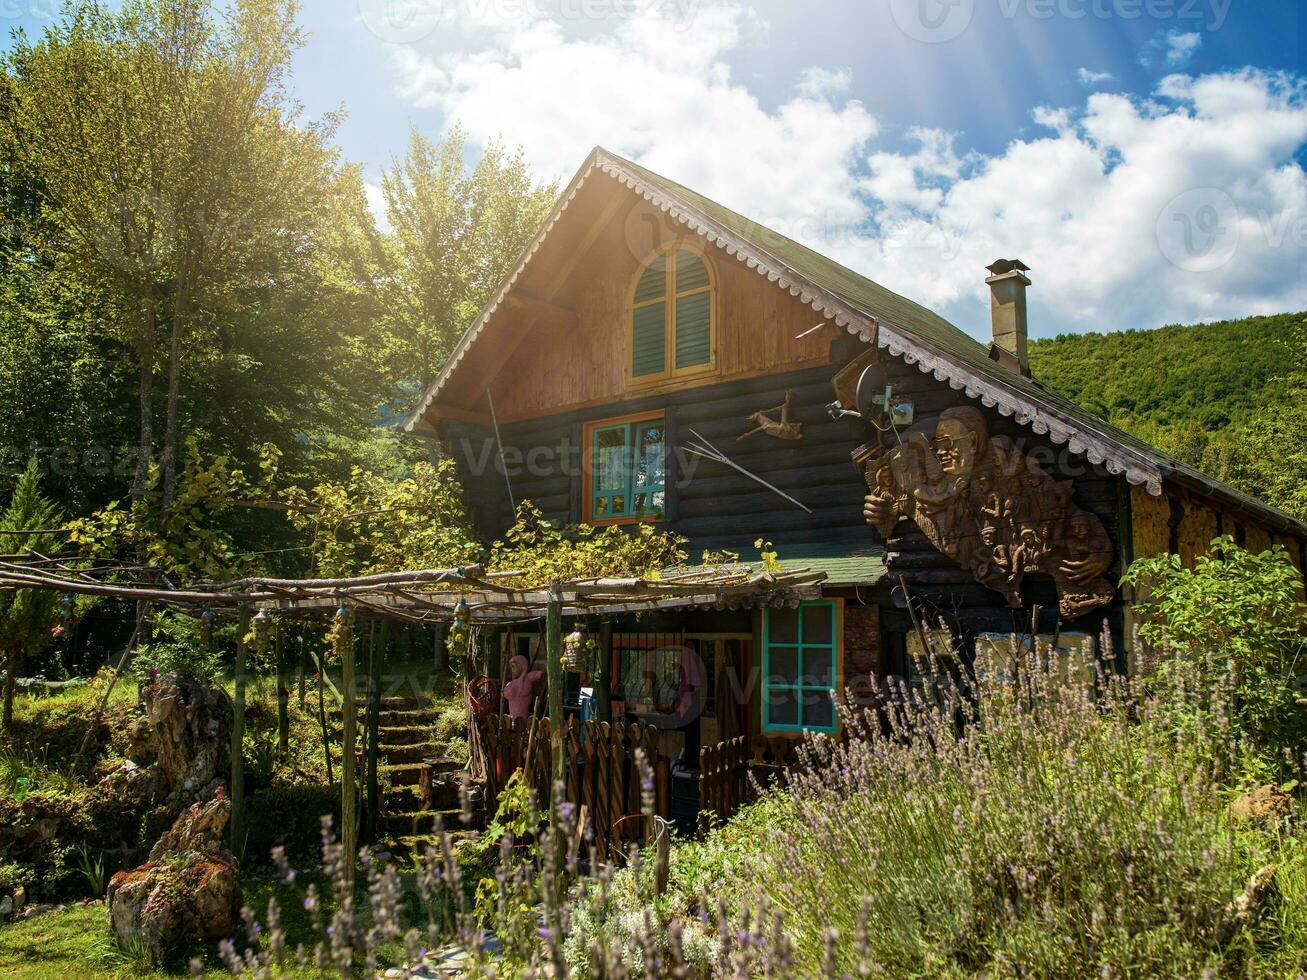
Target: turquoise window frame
[(633, 433), (831, 649)]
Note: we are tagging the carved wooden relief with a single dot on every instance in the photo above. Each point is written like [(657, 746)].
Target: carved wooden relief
[(992, 509)]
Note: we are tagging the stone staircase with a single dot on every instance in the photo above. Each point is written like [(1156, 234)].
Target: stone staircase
[(404, 749)]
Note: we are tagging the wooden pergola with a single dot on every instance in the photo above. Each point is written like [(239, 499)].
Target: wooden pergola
[(470, 595)]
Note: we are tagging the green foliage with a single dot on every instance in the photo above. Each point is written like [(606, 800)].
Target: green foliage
[(379, 521), (456, 235), (29, 618), (1236, 618), (1229, 398), (544, 551)]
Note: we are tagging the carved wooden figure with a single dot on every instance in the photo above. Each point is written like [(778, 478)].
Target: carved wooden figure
[(780, 429), (992, 509)]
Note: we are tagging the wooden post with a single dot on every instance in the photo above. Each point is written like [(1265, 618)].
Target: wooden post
[(348, 781), (283, 697), (554, 674), (304, 668), (603, 680), (374, 730), (238, 739)]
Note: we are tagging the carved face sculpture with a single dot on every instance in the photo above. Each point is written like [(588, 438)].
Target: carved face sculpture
[(1081, 528), (960, 438)]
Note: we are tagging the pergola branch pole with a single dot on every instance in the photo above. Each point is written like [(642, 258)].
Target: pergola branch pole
[(554, 674), (349, 724), (238, 739), (603, 681)]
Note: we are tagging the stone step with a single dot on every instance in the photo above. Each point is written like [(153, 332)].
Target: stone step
[(414, 752), (404, 734), (423, 822), (406, 844), (403, 773)]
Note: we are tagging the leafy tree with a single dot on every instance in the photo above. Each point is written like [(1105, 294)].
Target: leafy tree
[(1236, 616), (28, 617), (175, 169), (456, 235), (544, 551), (1229, 398), (381, 521)]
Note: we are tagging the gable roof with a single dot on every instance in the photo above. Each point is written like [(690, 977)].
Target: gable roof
[(876, 315)]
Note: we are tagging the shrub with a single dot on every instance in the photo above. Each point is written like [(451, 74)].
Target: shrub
[(1230, 629)]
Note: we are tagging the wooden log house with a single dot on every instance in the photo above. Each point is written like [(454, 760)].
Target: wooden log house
[(654, 356)]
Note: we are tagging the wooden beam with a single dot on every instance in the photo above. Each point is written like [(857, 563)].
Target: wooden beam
[(375, 657), (283, 696)]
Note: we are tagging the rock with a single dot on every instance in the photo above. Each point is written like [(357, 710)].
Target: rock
[(1244, 910), (189, 891), (6, 907), (1265, 804), (32, 911), (20, 897), (177, 747)]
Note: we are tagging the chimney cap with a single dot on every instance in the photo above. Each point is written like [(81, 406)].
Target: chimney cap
[(1004, 266)]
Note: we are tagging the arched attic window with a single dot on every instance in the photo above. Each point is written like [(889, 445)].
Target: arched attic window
[(672, 316)]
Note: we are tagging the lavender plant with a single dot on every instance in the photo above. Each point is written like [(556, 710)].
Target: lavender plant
[(1031, 818)]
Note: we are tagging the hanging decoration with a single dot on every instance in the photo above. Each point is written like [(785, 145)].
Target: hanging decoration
[(262, 630), (782, 428), (578, 651), (460, 628), (342, 630)]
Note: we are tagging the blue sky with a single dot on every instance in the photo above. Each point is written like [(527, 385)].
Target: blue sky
[(1143, 156)]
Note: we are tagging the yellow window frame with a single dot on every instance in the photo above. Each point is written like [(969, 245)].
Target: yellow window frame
[(669, 300)]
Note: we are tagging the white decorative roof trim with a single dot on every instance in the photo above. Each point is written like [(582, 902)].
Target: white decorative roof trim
[(865, 326), (469, 338), (861, 323)]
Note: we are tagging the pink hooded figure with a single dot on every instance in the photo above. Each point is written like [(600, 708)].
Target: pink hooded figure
[(521, 689)]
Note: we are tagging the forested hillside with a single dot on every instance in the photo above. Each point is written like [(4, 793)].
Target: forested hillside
[(1226, 397)]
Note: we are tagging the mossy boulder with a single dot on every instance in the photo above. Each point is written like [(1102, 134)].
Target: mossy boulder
[(189, 891)]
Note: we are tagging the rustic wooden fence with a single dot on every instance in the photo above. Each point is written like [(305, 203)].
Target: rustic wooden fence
[(603, 776), (724, 769)]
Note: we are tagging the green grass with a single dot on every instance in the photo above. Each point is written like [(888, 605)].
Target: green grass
[(75, 942)]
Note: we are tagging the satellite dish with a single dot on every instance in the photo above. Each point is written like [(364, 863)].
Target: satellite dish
[(873, 392), (877, 401)]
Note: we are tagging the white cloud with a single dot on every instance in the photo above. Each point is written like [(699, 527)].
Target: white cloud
[(1175, 49), (1088, 203), (816, 82), (1092, 79)]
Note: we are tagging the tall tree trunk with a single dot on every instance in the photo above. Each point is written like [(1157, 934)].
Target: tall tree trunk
[(11, 683), (283, 700), (168, 461), (145, 450)]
